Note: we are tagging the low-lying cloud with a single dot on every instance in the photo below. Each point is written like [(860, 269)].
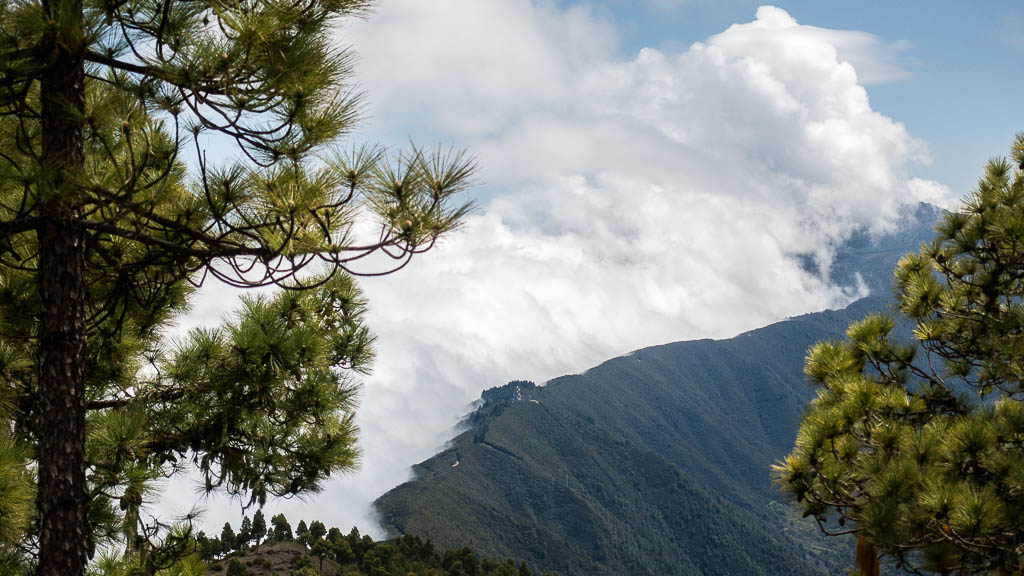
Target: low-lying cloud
[(625, 202)]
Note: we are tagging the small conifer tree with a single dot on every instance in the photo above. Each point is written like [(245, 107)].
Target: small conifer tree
[(317, 530), (244, 534), (321, 549), (204, 546), (228, 538), (259, 527), (342, 551), (282, 530)]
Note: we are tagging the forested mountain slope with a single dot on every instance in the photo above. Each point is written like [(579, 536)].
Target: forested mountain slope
[(656, 462)]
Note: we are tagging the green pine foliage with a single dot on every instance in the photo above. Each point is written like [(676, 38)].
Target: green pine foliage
[(259, 527), (317, 531), (191, 565), (17, 492), (917, 445), (244, 534), (105, 232), (281, 530), (179, 553), (228, 538)]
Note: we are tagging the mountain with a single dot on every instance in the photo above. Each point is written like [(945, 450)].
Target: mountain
[(656, 462), (874, 257)]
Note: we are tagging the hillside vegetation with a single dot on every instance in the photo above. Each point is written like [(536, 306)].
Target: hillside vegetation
[(334, 554)]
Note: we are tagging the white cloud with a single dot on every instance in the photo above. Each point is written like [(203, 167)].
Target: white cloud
[(874, 60), (628, 201), (932, 192)]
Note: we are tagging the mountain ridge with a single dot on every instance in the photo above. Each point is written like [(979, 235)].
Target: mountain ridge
[(655, 462)]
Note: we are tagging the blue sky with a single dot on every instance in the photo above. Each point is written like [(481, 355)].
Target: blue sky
[(649, 172), (962, 94)]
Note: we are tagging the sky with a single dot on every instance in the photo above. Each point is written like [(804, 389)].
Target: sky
[(649, 171)]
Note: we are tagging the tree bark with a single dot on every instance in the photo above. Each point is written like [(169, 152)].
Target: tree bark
[(867, 557), (61, 500)]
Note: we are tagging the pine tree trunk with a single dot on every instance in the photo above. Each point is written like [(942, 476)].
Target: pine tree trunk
[(61, 499), (867, 557)]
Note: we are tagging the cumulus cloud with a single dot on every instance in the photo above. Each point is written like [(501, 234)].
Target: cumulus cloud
[(627, 201), (874, 60)]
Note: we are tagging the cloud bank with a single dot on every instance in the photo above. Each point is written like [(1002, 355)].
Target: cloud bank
[(626, 201)]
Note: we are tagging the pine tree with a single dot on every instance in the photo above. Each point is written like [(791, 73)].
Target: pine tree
[(321, 548), (228, 539), (205, 546), (104, 231), (317, 530), (342, 551), (282, 531), (244, 534), (259, 527), (918, 447), (302, 533)]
